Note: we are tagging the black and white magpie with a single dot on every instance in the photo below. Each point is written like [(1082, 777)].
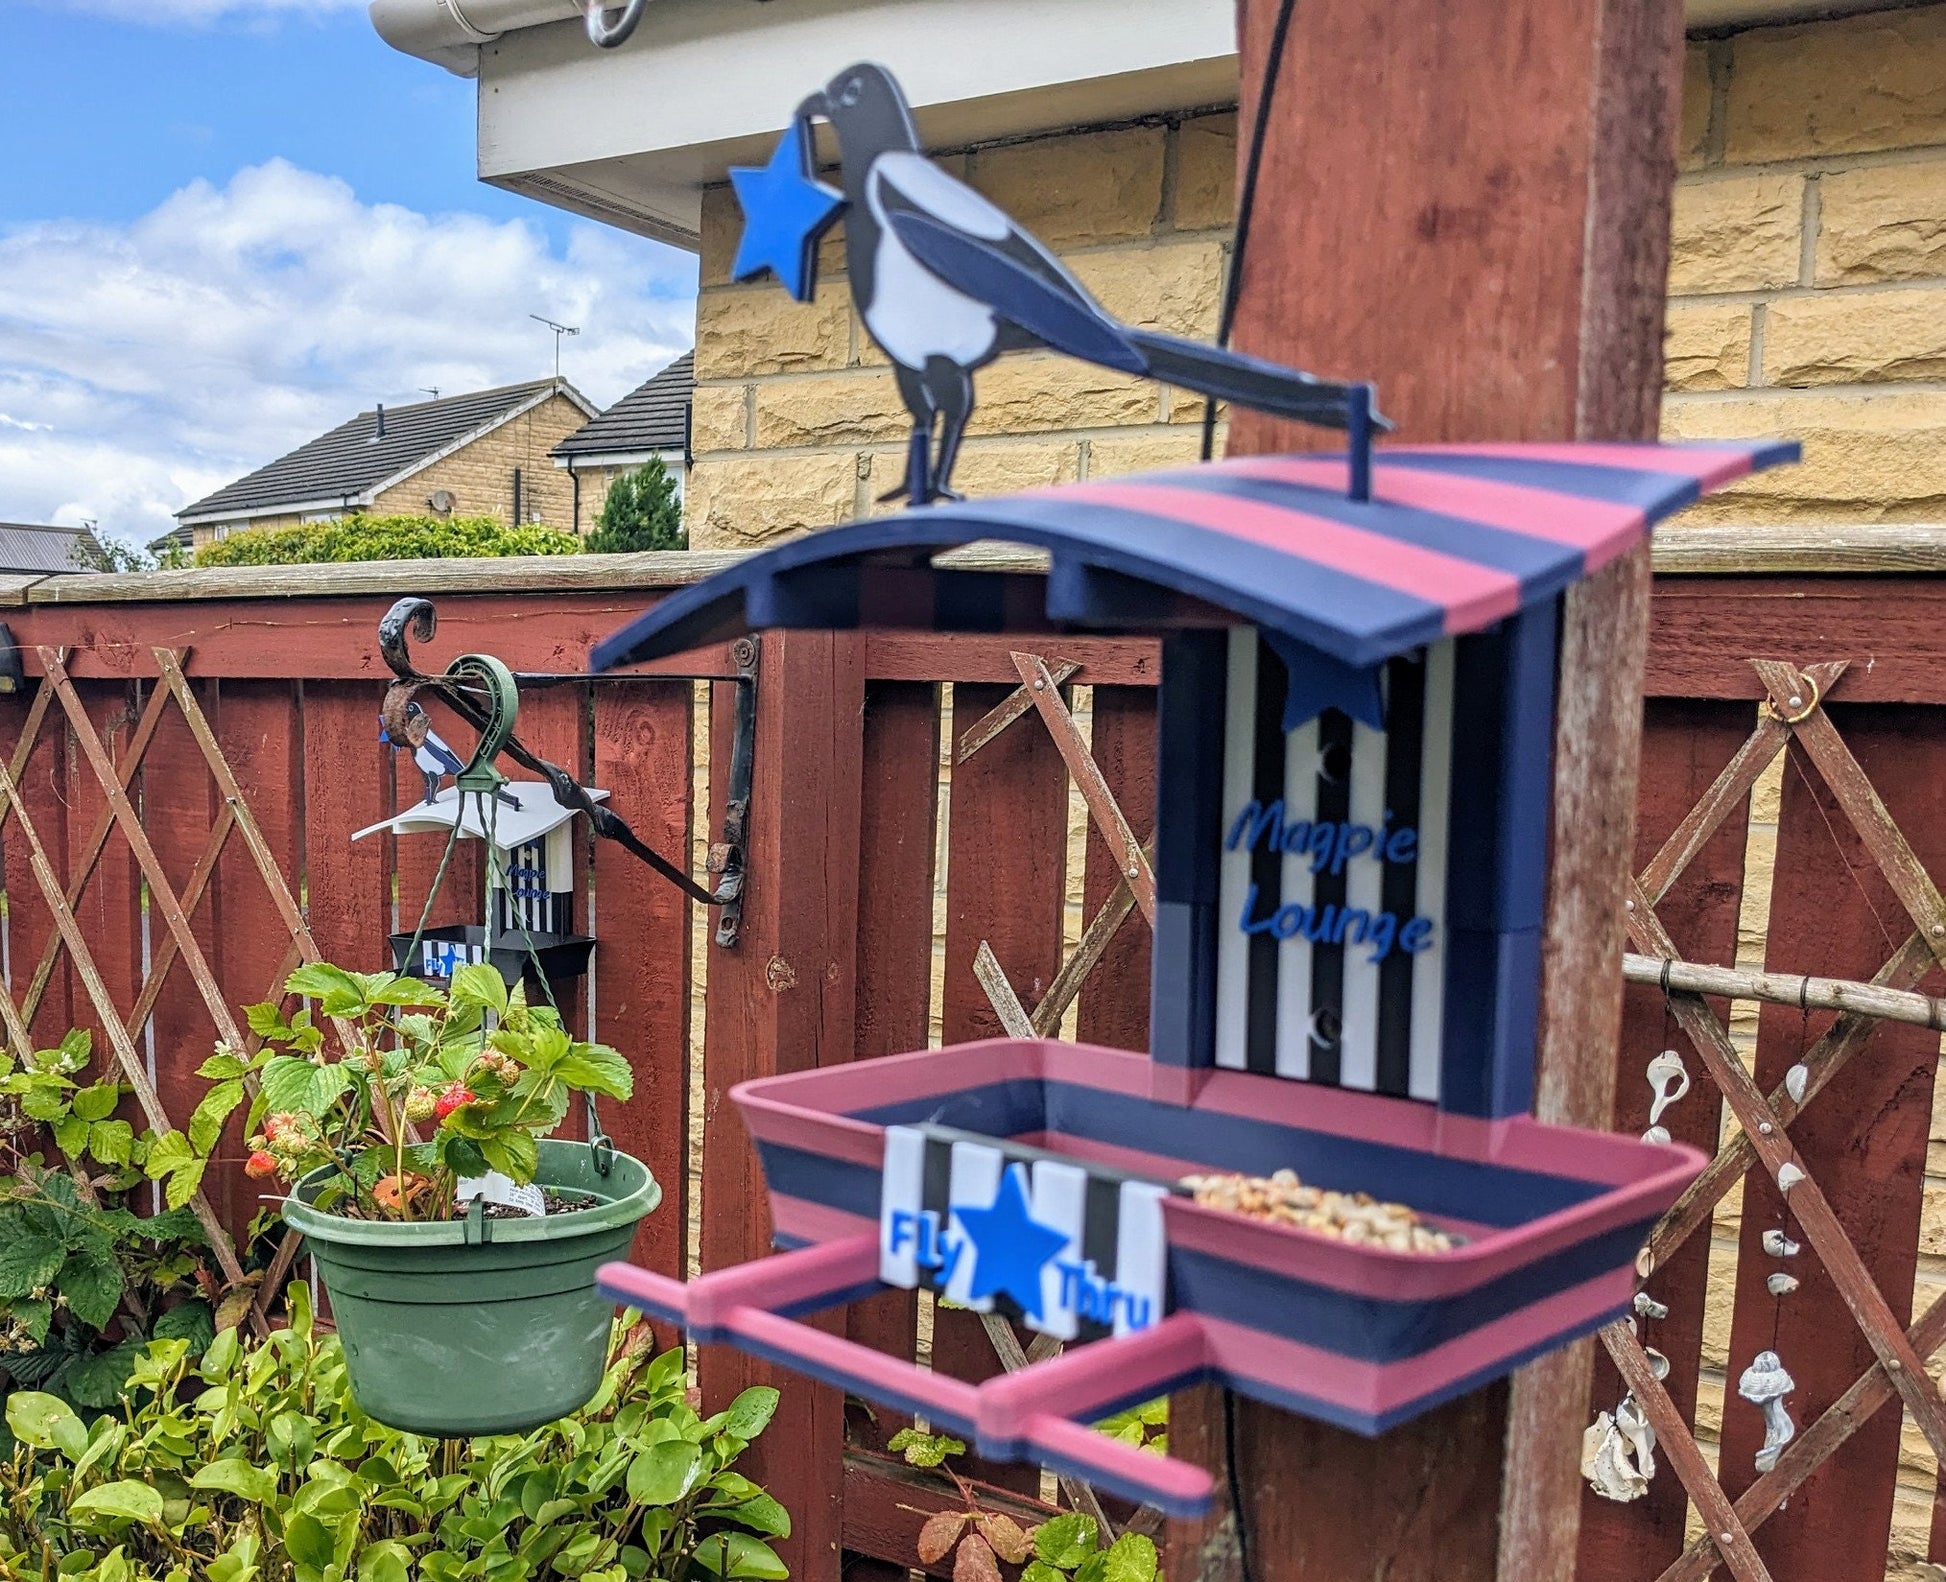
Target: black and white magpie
[(945, 282)]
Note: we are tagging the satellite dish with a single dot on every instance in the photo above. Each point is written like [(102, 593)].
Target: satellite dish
[(442, 501)]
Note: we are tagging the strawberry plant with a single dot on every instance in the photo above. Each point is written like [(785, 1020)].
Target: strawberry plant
[(349, 1083)]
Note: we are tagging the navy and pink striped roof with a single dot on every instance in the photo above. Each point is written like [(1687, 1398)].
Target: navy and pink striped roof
[(1453, 539)]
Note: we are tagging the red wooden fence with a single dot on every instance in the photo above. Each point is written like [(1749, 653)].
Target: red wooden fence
[(837, 959)]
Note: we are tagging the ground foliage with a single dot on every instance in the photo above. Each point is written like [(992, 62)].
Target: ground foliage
[(358, 537), (256, 1465)]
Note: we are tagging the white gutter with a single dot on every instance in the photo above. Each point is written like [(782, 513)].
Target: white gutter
[(449, 33)]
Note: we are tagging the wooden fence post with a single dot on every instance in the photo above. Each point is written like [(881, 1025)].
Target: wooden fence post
[(784, 999), (1468, 200)]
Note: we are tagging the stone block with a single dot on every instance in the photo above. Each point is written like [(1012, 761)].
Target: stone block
[(1736, 233), (1033, 393), (1885, 222), (719, 418), (1176, 286), (990, 467), (1706, 346), (1080, 189), (743, 331), (748, 500), (722, 224), (1855, 337), (1867, 457), (847, 409), (1147, 450), (1692, 136), (1717, 1310), (1843, 87), (1206, 173)]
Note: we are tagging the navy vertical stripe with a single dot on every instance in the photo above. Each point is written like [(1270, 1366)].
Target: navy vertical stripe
[(1328, 957), (1405, 737), (1266, 862)]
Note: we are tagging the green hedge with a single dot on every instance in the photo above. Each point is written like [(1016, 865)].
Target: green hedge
[(358, 537)]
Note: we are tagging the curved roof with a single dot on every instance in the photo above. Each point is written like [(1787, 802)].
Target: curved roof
[(1453, 539)]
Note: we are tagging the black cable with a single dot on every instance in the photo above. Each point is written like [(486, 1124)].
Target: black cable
[(1247, 197), (1237, 1523)]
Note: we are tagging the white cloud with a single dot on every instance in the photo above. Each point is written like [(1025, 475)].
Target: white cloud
[(144, 365)]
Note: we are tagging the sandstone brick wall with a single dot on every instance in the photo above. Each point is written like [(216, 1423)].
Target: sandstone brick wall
[(481, 475), (1808, 283), (798, 423)]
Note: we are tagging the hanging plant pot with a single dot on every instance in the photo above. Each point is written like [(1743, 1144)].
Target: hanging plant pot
[(478, 1326)]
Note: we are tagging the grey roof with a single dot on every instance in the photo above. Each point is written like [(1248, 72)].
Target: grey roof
[(32, 546), (653, 416), (350, 460)]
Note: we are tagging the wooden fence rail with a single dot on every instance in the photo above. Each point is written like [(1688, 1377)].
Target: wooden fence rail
[(877, 873)]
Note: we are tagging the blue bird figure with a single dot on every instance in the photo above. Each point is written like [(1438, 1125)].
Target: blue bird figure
[(435, 760)]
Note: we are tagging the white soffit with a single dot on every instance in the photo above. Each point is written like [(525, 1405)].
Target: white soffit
[(631, 136)]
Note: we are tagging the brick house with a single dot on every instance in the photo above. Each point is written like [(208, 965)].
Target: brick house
[(484, 454), (650, 423)]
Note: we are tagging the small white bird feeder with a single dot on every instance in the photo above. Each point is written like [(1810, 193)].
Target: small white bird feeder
[(530, 884)]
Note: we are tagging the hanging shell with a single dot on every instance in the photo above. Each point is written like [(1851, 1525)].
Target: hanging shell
[(1765, 1384), (1657, 1134), (1789, 1176), (1797, 1082), (1669, 1077), (1781, 1284), (1649, 1307), (1618, 1453), (1778, 1245)]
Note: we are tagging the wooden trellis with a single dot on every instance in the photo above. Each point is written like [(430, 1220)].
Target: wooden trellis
[(177, 943), (1793, 710)]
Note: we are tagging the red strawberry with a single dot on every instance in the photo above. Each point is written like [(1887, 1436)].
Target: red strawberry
[(259, 1165), (453, 1098)]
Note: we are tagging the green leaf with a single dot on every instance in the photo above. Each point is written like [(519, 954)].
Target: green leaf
[(33, 1317), (98, 1102), (126, 1501), (925, 1450), (408, 994), (100, 1381), (28, 1259), (732, 1555), (193, 1321), (387, 1561), (597, 1069), (513, 1153), (1066, 1540), (1131, 1558), (91, 1279), (293, 1083), (308, 1541), (45, 1101), (337, 992), (763, 1515), (223, 1065), (112, 1142), (71, 1135), (36, 1418), (206, 1124), (481, 985), (183, 1183), (266, 1021), (178, 1224), (750, 1413), (233, 1475), (1041, 1571), (664, 1473)]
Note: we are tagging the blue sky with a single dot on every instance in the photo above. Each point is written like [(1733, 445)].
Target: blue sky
[(227, 224)]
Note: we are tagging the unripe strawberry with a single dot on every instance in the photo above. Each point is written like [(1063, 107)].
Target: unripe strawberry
[(456, 1097), (259, 1165), (420, 1105)]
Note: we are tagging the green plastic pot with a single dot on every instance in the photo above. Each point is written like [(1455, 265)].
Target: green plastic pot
[(478, 1326)]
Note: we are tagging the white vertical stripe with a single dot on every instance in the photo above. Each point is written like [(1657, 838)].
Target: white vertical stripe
[(973, 1180), (1364, 891), (901, 1188), (1298, 886), (1140, 1256), (1060, 1203), (1239, 760), (1435, 807)]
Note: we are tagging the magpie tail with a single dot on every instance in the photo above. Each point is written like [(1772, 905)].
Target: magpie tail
[(1247, 381)]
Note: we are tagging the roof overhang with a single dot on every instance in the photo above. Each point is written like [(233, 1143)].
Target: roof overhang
[(631, 137), (575, 460)]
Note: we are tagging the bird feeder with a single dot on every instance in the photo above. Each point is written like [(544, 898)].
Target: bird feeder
[(1356, 717)]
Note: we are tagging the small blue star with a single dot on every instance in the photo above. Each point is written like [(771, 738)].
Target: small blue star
[(1319, 682), (1010, 1246), (785, 212)]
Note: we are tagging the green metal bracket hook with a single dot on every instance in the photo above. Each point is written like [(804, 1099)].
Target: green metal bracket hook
[(501, 708)]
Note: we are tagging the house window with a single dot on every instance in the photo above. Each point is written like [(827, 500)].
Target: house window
[(313, 518)]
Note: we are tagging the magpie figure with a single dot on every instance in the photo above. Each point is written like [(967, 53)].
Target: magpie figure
[(946, 282), (435, 760)]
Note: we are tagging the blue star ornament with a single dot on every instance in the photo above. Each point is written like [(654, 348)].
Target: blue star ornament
[(1010, 1246), (785, 212)]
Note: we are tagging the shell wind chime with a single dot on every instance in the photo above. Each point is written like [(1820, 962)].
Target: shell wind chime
[(1765, 1384)]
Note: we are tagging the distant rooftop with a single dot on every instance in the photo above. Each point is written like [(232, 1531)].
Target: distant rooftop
[(652, 417), (35, 546), (348, 465)]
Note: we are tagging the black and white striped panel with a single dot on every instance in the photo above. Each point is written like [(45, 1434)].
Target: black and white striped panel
[(527, 902), (1108, 1278), (1352, 995)]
